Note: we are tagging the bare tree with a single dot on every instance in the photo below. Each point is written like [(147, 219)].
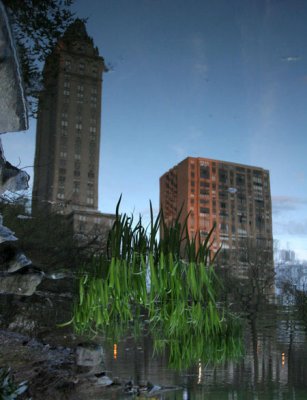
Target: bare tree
[(37, 25)]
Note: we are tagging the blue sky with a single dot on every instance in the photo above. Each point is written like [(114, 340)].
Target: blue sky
[(219, 79)]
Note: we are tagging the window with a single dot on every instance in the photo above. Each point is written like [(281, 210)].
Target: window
[(223, 176), (93, 97), (240, 180), (81, 67), (204, 184), (78, 147), (67, 65), (204, 201), (63, 154), (64, 123), (224, 227), (66, 92), (204, 171), (92, 149), (76, 187), (80, 93), (78, 126), (90, 190), (90, 201), (204, 210)]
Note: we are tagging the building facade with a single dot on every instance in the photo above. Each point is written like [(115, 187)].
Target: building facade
[(68, 133), (68, 125), (234, 198)]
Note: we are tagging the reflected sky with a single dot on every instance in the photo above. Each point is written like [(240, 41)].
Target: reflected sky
[(225, 80)]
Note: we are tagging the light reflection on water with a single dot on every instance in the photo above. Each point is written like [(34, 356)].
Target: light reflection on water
[(274, 365)]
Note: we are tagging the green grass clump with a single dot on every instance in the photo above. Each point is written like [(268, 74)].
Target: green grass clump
[(169, 281)]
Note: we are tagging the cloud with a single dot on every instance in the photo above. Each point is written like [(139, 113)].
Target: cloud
[(287, 203), (201, 68), (199, 57), (297, 228), (300, 176), (180, 151), (292, 58)]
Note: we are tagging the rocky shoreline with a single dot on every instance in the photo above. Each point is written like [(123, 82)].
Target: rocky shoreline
[(59, 372)]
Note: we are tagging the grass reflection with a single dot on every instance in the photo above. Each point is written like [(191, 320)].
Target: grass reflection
[(167, 286)]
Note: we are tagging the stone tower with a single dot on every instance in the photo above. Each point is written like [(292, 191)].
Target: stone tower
[(68, 125)]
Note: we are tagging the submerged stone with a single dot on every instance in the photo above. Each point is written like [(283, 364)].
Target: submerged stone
[(18, 262), (21, 284), (6, 235), (104, 381), (90, 359)]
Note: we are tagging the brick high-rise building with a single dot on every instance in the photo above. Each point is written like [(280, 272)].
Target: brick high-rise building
[(68, 129), (235, 198)]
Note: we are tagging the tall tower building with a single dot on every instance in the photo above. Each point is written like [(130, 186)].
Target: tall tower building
[(68, 125), (68, 134), (234, 198)]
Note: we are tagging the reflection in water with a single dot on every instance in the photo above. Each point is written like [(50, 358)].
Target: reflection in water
[(157, 287), (274, 365), (186, 330), (157, 320)]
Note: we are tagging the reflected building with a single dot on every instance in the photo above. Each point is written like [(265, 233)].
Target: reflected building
[(234, 198), (68, 129)]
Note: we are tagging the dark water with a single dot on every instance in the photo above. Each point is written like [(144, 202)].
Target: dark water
[(273, 366)]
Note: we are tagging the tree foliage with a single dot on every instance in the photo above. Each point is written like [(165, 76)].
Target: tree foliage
[(37, 25)]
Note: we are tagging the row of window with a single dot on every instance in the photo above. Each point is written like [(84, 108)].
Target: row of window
[(80, 68)]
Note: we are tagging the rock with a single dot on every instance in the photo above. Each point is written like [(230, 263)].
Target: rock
[(6, 235), (13, 113), (18, 262), (90, 359), (23, 284), (153, 388), (103, 380), (22, 324)]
